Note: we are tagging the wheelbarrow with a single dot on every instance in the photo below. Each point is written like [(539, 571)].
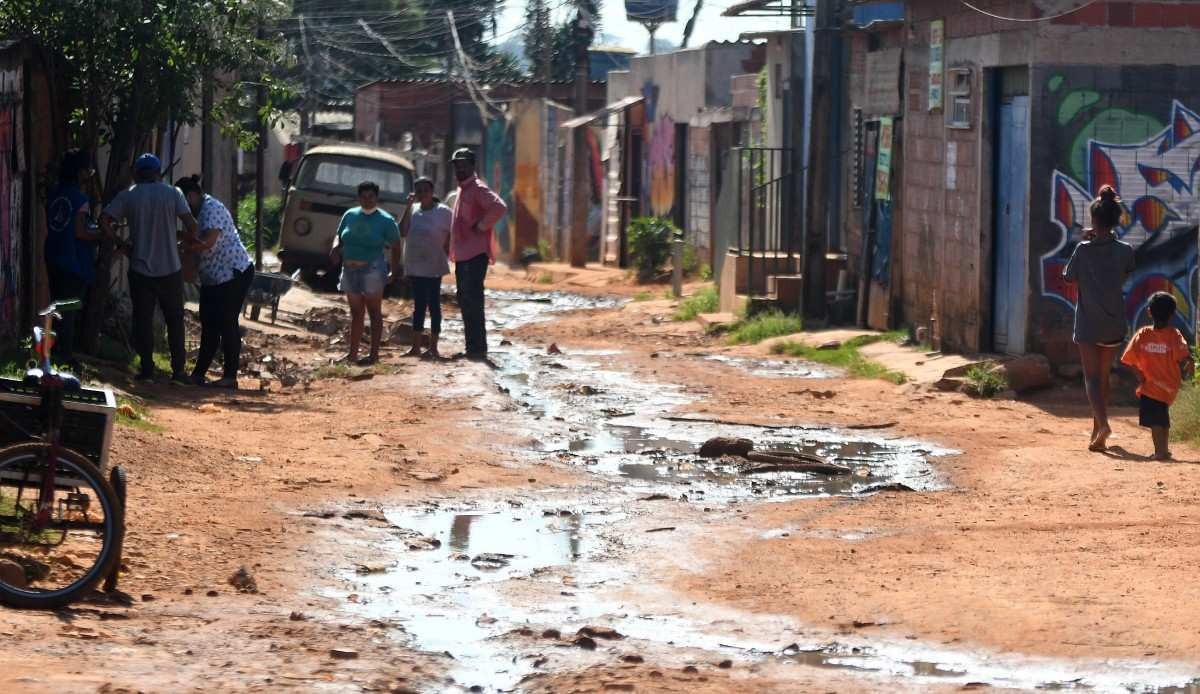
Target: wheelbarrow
[(267, 289)]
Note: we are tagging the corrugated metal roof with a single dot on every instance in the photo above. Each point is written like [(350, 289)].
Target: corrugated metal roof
[(614, 106), (523, 82)]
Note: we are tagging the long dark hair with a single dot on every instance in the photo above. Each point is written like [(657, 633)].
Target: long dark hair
[(73, 161), (190, 184), (1106, 208)]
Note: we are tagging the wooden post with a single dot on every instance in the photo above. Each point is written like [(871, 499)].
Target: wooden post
[(581, 189), (820, 156)]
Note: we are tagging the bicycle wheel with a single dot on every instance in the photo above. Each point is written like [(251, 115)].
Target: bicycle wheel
[(52, 561)]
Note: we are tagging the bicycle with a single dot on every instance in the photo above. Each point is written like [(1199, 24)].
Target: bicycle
[(62, 523)]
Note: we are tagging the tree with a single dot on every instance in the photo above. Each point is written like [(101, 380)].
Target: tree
[(127, 67), (339, 47), (575, 36), (691, 24), (539, 35)]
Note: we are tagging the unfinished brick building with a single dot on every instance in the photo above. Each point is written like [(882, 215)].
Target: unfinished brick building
[(1005, 131)]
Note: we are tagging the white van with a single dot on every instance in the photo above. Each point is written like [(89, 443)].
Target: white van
[(324, 186)]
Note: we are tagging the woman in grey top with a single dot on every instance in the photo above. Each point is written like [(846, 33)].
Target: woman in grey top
[(1098, 268)]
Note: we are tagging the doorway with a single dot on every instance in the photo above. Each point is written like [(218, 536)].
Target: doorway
[(1010, 293)]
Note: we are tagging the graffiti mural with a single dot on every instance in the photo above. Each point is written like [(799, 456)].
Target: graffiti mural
[(660, 166), (1155, 167), (500, 163), (10, 225)]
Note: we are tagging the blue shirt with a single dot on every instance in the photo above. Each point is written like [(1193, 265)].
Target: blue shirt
[(65, 252), (364, 236)]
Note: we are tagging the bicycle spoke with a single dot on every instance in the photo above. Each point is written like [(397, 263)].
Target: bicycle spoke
[(52, 543)]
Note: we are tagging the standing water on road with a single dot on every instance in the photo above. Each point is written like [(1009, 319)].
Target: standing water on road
[(501, 585)]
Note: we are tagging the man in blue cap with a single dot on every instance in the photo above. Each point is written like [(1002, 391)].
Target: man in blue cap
[(153, 210)]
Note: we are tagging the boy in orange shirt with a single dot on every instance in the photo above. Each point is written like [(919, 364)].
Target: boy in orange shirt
[(1156, 353)]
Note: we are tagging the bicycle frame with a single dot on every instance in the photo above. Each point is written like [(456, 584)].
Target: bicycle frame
[(52, 384)]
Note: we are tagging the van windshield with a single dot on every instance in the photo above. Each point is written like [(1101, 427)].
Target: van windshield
[(339, 174)]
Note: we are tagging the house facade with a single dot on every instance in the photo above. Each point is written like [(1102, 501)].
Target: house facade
[(675, 117), (1006, 130)]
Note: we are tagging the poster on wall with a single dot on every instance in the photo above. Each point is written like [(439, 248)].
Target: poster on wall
[(937, 36), (883, 167)]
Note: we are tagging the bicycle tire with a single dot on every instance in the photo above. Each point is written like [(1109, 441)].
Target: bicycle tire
[(120, 484), (114, 522)]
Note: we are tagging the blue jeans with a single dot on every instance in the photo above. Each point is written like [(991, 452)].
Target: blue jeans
[(369, 279)]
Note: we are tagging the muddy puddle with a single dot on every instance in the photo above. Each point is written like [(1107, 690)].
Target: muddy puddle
[(775, 368), (501, 586)]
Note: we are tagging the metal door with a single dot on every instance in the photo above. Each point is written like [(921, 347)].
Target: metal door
[(1011, 287)]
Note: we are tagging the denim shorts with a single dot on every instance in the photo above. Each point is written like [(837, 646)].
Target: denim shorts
[(368, 279)]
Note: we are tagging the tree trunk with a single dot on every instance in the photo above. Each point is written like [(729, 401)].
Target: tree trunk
[(116, 178)]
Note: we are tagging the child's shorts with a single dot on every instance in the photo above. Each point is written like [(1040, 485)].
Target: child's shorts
[(1154, 413)]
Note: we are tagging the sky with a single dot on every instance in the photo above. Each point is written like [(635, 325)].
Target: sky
[(710, 27)]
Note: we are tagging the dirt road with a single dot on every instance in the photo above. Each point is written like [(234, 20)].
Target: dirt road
[(546, 526)]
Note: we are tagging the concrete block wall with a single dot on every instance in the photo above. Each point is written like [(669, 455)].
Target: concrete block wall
[(1136, 127)]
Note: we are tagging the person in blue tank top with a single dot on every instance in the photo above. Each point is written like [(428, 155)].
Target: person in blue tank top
[(365, 236), (70, 250)]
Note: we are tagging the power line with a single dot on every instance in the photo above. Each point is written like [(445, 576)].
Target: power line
[(1028, 20)]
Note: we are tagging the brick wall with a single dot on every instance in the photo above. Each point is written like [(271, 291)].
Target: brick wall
[(1144, 15)]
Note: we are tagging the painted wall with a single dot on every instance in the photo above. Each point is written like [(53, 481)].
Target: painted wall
[(499, 173), (1137, 129), (670, 84), (12, 201)]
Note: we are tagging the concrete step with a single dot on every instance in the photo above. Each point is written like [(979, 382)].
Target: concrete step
[(716, 321)]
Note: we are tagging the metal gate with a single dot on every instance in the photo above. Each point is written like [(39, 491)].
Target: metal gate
[(768, 234)]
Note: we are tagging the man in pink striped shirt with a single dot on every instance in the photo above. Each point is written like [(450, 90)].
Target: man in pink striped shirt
[(473, 247)]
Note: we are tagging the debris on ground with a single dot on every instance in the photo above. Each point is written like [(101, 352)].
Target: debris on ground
[(367, 514), (606, 633), (417, 542), (553, 349), (492, 560), (243, 581), (329, 320), (721, 446), (769, 461), (12, 574), (343, 653), (209, 408), (128, 412)]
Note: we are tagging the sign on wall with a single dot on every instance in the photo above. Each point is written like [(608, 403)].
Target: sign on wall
[(937, 39), (883, 83), (883, 170)]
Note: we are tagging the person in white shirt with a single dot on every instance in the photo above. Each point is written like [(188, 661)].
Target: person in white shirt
[(426, 232)]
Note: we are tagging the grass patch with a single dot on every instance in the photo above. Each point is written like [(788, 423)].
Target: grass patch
[(705, 300), (14, 363), (985, 380), (333, 371), (545, 278), (1185, 414), (643, 296), (763, 326), (847, 356), (135, 414)]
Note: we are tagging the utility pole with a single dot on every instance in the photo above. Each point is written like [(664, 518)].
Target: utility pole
[(820, 158), (260, 165), (581, 189)]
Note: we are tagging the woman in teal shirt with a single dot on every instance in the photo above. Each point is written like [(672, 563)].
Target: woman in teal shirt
[(364, 237)]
